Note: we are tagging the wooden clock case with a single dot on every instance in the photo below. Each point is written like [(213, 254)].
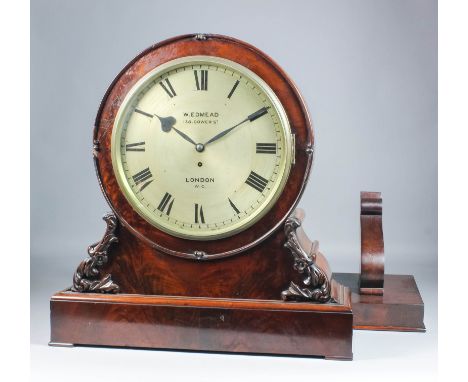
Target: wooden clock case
[(267, 289)]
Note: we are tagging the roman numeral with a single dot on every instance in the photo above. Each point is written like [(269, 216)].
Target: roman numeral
[(233, 89), (144, 176), (256, 181), (164, 202), (135, 146), (168, 88), (233, 206), (266, 148), (199, 214), (201, 80)]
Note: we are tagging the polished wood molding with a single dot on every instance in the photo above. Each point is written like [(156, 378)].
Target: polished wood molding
[(372, 245)]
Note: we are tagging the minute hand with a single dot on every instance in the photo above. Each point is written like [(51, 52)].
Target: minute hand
[(252, 117)]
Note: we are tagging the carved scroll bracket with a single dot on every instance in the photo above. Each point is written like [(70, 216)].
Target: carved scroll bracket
[(87, 277), (372, 245), (309, 261)]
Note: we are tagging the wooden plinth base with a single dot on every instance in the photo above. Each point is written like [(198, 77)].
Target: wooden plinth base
[(401, 307), (205, 324)]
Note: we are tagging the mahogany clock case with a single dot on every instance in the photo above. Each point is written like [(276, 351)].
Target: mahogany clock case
[(240, 53), (94, 312), (142, 287), (140, 263)]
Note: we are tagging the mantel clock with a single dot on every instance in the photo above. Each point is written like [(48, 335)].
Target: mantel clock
[(203, 147)]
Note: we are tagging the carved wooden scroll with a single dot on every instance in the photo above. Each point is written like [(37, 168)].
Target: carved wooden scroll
[(87, 277), (309, 261), (372, 245)]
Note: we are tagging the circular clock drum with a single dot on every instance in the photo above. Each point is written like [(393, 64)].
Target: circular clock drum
[(202, 146)]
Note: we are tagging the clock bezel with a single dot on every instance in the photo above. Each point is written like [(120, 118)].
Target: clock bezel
[(277, 187), (266, 69)]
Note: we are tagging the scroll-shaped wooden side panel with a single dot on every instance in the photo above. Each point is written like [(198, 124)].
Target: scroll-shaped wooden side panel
[(372, 245)]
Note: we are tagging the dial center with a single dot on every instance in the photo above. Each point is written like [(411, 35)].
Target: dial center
[(200, 147)]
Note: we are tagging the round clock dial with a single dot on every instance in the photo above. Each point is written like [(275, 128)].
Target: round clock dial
[(201, 147)]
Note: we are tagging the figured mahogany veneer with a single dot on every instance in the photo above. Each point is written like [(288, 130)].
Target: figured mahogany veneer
[(260, 273), (251, 58), (205, 324), (223, 305)]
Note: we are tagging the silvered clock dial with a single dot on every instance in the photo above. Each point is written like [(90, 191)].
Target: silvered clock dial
[(201, 147)]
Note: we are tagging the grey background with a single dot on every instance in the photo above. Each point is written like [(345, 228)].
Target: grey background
[(368, 72)]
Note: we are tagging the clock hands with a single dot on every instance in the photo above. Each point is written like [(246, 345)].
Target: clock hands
[(252, 117), (167, 124), (185, 136)]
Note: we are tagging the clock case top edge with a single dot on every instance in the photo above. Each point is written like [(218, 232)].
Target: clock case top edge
[(243, 54)]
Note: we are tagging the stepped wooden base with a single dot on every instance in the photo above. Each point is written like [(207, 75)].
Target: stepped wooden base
[(401, 307), (205, 324)]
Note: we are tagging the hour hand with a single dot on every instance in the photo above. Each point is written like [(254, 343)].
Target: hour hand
[(167, 124)]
